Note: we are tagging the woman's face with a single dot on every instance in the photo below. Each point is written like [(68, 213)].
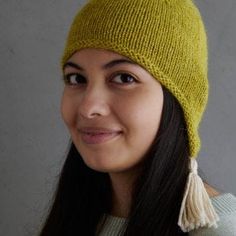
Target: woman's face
[(112, 108)]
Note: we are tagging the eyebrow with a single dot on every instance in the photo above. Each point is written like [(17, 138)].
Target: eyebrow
[(106, 66)]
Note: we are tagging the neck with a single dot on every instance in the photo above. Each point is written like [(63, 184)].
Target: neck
[(121, 193)]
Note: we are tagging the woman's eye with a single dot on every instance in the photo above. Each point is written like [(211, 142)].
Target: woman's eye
[(74, 79), (124, 79)]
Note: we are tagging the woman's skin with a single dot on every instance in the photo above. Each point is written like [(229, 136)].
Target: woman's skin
[(112, 108)]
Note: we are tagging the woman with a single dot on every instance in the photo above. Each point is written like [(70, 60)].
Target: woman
[(135, 74)]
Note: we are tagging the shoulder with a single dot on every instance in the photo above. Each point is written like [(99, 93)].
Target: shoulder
[(225, 206)]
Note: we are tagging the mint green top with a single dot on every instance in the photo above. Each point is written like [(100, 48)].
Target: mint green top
[(224, 204)]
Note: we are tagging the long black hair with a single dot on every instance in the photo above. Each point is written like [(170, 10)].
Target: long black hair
[(83, 195)]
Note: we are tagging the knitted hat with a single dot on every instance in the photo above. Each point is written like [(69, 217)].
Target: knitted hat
[(168, 39)]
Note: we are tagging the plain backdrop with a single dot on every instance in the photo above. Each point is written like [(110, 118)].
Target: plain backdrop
[(33, 137)]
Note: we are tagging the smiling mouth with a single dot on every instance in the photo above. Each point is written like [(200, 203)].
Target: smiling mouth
[(98, 137)]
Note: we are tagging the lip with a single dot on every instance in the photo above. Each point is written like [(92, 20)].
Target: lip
[(91, 135)]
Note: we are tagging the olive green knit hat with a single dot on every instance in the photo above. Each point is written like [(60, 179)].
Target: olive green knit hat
[(168, 39)]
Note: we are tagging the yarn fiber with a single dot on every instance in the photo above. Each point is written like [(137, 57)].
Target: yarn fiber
[(165, 37)]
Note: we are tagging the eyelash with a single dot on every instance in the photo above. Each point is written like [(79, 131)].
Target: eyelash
[(67, 79)]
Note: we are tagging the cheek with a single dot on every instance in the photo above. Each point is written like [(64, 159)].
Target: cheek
[(68, 111), (141, 117), (142, 111), (141, 121)]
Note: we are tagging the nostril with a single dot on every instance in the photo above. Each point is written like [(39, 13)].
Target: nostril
[(94, 110)]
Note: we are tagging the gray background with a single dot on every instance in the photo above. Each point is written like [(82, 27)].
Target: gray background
[(33, 138)]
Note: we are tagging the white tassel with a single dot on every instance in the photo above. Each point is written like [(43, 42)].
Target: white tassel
[(196, 208)]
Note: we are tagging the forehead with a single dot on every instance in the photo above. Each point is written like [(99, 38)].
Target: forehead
[(92, 58)]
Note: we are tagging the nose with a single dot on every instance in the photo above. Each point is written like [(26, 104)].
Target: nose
[(94, 103)]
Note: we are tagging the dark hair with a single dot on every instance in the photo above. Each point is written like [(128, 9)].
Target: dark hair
[(83, 195)]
